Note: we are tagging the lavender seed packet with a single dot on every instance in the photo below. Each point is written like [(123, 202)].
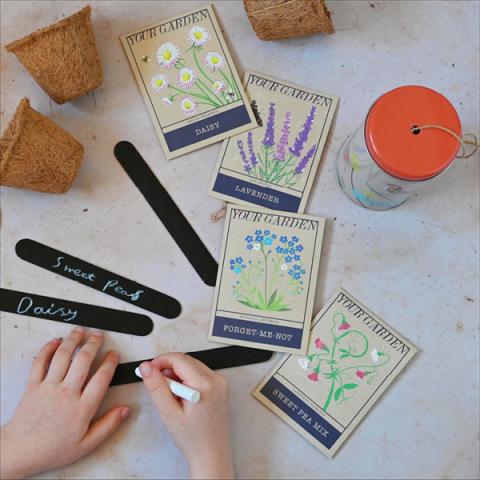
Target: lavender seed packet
[(274, 166)]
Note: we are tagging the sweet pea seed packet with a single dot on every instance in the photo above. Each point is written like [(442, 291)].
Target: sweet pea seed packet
[(274, 166), (353, 357), (188, 81), (266, 279)]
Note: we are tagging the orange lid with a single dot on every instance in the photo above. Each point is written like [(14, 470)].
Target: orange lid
[(399, 151)]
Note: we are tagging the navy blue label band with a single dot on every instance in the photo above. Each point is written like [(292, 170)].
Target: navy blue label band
[(256, 194), (207, 128), (257, 332), (300, 412)]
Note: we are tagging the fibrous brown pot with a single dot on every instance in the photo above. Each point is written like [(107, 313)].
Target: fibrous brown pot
[(277, 19), (37, 154), (63, 57)]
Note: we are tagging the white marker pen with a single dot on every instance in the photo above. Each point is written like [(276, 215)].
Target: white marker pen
[(178, 389)]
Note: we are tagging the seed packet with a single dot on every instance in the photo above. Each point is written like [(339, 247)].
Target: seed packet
[(188, 81), (353, 357), (274, 166), (266, 279)]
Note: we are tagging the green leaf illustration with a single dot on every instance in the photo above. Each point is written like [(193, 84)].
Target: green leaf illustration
[(350, 386), (338, 392), (272, 299)]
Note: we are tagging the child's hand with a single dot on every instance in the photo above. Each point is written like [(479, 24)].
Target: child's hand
[(201, 430), (52, 424)]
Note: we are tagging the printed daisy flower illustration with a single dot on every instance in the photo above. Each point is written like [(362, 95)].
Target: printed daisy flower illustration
[(186, 77), (167, 101), (167, 55), (214, 61), (198, 36), (158, 83), (188, 106), (374, 354), (304, 363), (284, 267), (218, 86)]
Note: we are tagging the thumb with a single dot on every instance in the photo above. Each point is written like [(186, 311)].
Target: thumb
[(102, 428), (157, 385)]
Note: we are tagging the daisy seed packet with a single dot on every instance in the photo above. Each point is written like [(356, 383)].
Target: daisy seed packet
[(188, 81), (274, 166), (353, 357), (266, 279)]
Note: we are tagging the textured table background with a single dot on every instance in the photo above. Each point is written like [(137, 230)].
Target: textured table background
[(416, 266)]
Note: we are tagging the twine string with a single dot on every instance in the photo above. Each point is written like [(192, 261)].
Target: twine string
[(463, 140)]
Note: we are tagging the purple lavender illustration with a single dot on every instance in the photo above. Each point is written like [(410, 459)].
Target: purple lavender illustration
[(246, 164), (303, 135), (273, 161), (269, 140), (304, 161), (282, 144), (251, 151)]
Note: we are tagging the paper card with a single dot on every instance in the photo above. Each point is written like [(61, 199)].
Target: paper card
[(353, 357), (188, 81), (266, 279), (274, 166)]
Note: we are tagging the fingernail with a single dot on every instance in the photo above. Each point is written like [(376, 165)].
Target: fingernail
[(146, 369), (124, 413), (97, 333), (116, 353), (56, 340), (78, 329)]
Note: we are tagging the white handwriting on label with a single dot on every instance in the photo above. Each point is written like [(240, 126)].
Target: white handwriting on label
[(118, 289), (77, 272), (207, 128), (26, 304)]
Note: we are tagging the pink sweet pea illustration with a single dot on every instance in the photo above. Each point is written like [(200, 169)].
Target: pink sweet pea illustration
[(345, 364), (344, 325), (320, 345)]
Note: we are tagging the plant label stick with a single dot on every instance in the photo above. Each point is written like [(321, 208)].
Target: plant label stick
[(353, 356), (178, 389), (266, 279), (167, 211), (188, 81), (60, 310), (214, 358), (98, 278), (274, 166)]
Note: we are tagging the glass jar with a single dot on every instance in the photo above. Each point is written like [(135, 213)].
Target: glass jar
[(389, 157)]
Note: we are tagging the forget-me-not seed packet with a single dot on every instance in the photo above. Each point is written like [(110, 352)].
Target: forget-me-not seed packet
[(266, 279), (188, 81), (274, 166), (353, 357)]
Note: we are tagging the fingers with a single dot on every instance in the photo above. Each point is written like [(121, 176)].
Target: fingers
[(97, 386), (63, 356), (104, 427), (166, 403), (42, 360), (80, 366), (184, 366)]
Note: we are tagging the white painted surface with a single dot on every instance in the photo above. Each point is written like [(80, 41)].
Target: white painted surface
[(416, 266)]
